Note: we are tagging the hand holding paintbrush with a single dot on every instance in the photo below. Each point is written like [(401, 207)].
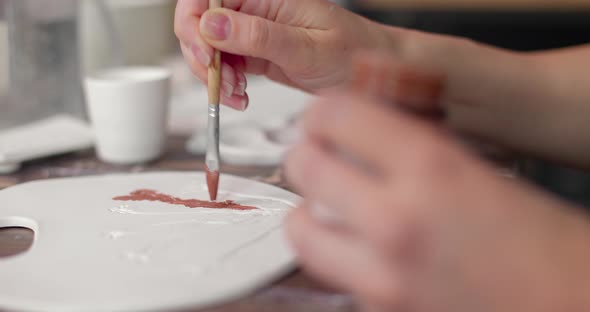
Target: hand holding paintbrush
[(212, 158)]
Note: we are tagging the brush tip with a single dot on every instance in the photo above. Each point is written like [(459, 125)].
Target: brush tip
[(212, 183)]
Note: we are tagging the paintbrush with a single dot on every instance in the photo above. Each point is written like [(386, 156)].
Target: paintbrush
[(212, 157)]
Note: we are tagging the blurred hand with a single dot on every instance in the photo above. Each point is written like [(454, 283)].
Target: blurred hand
[(399, 84), (303, 43), (400, 216)]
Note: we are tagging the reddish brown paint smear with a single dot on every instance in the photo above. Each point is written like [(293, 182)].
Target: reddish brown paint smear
[(212, 183), (154, 196)]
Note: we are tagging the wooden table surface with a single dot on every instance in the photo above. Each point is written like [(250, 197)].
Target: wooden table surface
[(294, 293)]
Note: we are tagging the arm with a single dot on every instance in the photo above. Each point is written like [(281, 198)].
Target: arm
[(436, 229), (536, 103), (528, 102)]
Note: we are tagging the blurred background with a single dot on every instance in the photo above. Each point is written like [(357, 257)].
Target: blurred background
[(145, 36), (145, 26), (49, 45)]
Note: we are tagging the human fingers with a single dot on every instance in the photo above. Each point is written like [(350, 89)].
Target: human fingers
[(233, 83), (341, 259), (377, 137), (186, 28), (242, 34), (410, 86), (327, 181)]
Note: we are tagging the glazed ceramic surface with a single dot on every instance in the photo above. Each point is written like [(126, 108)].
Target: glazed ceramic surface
[(51, 136), (128, 108), (93, 253)]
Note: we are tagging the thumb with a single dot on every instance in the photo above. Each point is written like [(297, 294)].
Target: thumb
[(242, 34)]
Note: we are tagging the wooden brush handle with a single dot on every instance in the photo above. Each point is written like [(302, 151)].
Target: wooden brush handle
[(214, 81)]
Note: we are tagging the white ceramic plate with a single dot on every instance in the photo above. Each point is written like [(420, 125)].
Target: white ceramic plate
[(92, 253)]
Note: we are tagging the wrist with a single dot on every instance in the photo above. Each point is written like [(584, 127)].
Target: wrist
[(385, 38), (460, 61), (487, 91)]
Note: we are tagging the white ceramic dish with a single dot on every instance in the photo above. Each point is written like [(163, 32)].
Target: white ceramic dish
[(250, 143), (51, 136), (92, 253), (258, 136)]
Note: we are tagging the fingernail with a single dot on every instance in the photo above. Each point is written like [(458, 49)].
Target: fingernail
[(201, 56), (244, 103), (227, 88), (242, 84), (216, 26), (236, 103)]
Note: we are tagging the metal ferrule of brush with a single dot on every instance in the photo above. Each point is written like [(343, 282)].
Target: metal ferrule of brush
[(212, 157)]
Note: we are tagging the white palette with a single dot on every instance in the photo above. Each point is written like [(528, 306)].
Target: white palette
[(92, 253)]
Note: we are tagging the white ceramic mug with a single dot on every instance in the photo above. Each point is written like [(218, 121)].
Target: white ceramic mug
[(128, 108)]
